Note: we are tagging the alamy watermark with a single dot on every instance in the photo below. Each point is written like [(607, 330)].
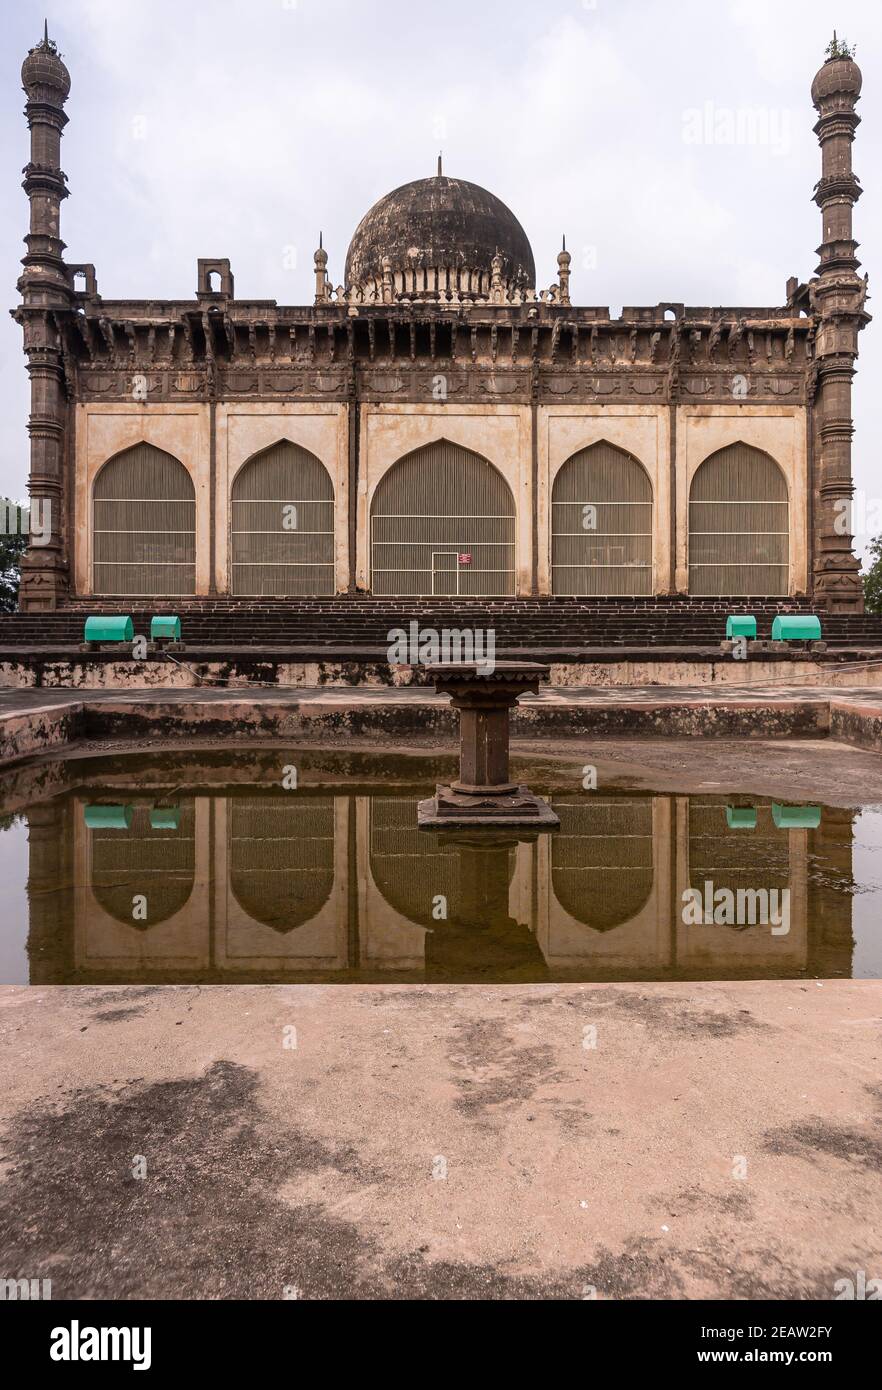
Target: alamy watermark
[(25, 1290), (422, 646), (35, 521), (741, 907), (710, 124)]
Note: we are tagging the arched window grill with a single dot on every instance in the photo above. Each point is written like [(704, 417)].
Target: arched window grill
[(443, 522), (739, 525), (281, 857), (282, 524), (601, 524), (144, 525), (601, 858)]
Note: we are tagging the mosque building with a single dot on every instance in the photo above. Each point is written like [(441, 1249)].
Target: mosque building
[(444, 421)]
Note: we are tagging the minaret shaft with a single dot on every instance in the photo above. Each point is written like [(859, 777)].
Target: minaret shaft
[(46, 293), (837, 298)]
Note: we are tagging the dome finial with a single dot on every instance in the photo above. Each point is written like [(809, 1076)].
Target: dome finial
[(439, 164)]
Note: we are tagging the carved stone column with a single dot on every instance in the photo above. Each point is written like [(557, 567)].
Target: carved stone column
[(483, 795), (46, 293), (837, 299)]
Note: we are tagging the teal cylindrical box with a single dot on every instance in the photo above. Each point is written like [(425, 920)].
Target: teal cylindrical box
[(109, 817), (110, 628)]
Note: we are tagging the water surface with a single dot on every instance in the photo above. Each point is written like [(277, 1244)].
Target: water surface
[(238, 869)]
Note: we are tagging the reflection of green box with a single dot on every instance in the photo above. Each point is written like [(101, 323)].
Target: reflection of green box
[(109, 817), (741, 625), (167, 626), (113, 628), (806, 627), (796, 817), (165, 817), (741, 817)]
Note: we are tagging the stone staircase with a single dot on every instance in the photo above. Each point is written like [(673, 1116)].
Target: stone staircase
[(363, 621)]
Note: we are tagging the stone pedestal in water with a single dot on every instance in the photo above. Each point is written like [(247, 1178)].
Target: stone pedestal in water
[(483, 794)]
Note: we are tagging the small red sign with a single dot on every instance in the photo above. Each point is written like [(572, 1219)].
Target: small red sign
[(465, 559)]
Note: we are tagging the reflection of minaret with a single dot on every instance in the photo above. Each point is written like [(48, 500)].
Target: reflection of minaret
[(50, 894), (831, 942), (480, 940)]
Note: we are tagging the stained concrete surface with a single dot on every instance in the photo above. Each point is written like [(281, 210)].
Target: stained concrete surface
[(442, 1142)]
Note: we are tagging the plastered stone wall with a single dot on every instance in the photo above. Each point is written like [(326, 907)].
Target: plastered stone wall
[(779, 431), (503, 434), (640, 430), (500, 433), (102, 431)]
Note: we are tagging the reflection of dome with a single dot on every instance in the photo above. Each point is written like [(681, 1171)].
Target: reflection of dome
[(440, 224), (43, 68)]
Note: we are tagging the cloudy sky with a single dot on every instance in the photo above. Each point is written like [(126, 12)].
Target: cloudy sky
[(240, 128)]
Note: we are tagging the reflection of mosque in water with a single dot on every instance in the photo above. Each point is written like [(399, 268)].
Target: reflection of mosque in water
[(255, 885)]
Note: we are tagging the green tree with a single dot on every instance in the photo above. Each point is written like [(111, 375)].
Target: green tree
[(13, 541), (873, 578)]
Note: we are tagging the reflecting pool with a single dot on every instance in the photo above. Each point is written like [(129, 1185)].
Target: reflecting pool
[(286, 867)]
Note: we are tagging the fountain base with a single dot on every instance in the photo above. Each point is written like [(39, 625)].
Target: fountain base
[(511, 805), (482, 795)]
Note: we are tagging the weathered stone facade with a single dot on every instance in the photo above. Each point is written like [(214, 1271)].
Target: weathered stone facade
[(437, 343)]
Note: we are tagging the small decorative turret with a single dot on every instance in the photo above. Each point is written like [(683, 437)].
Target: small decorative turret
[(563, 272), (321, 273), (837, 298), (388, 281), (497, 284)]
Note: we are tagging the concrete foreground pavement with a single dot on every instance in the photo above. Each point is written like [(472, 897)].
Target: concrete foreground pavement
[(442, 1141)]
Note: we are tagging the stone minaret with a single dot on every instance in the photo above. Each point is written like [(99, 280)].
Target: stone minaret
[(837, 298), (46, 292)]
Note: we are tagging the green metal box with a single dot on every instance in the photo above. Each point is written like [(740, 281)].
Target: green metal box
[(112, 628), (796, 817), (165, 818), (791, 627), (108, 817), (166, 626), (741, 625), (741, 817)]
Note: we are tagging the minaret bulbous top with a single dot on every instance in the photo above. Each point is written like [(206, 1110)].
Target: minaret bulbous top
[(43, 71), (840, 75)]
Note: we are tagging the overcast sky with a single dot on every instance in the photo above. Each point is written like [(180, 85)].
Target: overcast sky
[(240, 128)]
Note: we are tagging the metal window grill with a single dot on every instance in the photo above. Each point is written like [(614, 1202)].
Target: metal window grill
[(160, 862), (739, 525), (736, 862), (432, 509), (281, 857), (612, 555), (407, 866), (144, 525), (282, 524), (601, 858)]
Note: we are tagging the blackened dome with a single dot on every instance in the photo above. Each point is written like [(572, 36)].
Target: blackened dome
[(440, 224)]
